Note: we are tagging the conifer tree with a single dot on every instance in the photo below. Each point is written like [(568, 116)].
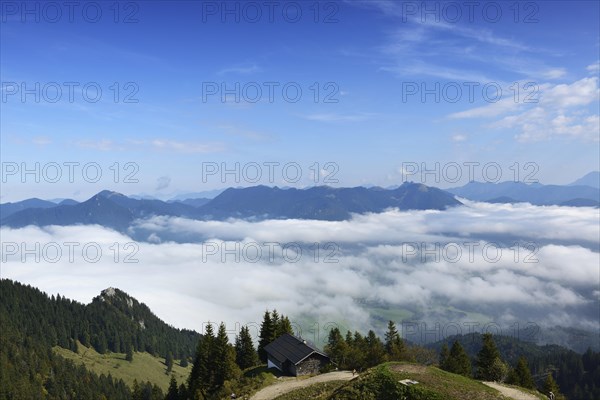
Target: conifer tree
[(375, 350), (394, 345), (223, 358), (169, 362), (337, 348), (266, 335), (550, 385), (129, 353), (200, 379), (245, 354), (444, 356), (486, 358), (521, 375), (285, 326), (173, 392), (458, 360)]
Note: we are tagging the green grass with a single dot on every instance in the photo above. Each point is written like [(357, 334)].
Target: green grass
[(252, 380), (433, 384), (449, 386), (144, 366)]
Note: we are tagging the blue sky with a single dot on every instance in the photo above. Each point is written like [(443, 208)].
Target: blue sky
[(369, 60)]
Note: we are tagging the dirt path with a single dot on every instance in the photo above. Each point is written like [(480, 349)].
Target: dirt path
[(279, 388), (511, 392)]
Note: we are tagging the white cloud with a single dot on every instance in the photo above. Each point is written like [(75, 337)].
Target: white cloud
[(579, 93), (100, 145), (186, 285), (554, 73), (560, 111), (41, 141), (240, 69), (163, 182), (594, 68)]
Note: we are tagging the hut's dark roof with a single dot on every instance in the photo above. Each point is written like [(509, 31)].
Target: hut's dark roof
[(289, 347)]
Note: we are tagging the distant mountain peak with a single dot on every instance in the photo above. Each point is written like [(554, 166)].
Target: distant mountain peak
[(590, 179), (109, 193)]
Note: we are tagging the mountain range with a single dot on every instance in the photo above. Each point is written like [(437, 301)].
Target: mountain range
[(117, 211), (584, 192)]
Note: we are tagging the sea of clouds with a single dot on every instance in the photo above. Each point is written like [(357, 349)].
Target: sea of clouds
[(501, 266)]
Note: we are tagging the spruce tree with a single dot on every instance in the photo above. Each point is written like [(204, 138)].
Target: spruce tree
[(116, 343), (169, 362), (265, 337), (275, 322), (521, 375), (129, 353), (444, 357), (183, 392), (336, 348), (550, 385), (394, 345), (245, 355), (200, 379), (375, 350), (173, 392), (485, 359), (458, 360), (137, 391), (101, 345), (285, 326), (223, 359)]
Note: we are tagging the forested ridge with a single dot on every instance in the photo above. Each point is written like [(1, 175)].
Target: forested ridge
[(33, 323)]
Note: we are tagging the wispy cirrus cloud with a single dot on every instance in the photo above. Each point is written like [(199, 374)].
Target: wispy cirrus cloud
[(100, 145), (244, 69), (185, 147), (334, 117)]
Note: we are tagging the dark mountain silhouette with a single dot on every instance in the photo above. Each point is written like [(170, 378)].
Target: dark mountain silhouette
[(117, 211), (322, 202), (592, 179), (580, 203), (7, 209), (536, 194)]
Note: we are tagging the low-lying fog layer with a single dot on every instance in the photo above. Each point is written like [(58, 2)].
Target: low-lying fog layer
[(494, 263)]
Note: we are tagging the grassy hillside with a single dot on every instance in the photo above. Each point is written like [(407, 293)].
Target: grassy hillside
[(382, 382), (144, 366)]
